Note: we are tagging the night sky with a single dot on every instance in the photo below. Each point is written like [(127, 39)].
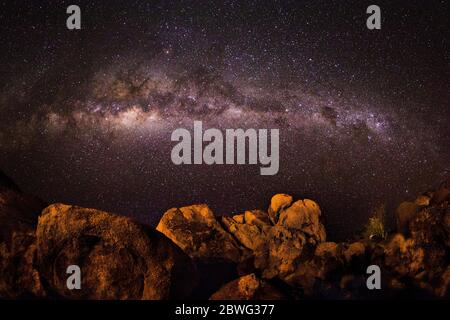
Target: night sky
[(86, 116)]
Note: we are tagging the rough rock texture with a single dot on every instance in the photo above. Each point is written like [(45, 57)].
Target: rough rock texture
[(215, 252), (281, 253), (414, 263), (304, 215), (417, 260), (278, 203), (403, 257), (297, 231), (257, 218), (333, 270), (354, 252), (119, 258), (248, 287), (312, 271), (279, 238), (18, 218), (19, 276), (250, 228), (197, 232)]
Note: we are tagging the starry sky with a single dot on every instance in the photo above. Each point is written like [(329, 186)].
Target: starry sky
[(86, 116)]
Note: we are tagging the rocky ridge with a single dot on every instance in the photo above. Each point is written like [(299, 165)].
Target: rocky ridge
[(281, 253)]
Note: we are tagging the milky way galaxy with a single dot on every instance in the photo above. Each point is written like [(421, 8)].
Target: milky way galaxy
[(363, 115)]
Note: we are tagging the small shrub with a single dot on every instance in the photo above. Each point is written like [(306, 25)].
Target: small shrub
[(375, 228)]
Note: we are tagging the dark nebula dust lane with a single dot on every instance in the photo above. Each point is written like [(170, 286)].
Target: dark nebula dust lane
[(87, 116)]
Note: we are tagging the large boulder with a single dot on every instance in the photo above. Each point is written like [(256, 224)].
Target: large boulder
[(429, 226), (410, 267), (197, 232), (257, 218), (248, 287), (280, 239), (118, 258), (403, 257), (298, 230), (311, 272), (250, 236), (354, 253), (278, 203), (416, 260), (250, 229), (19, 277), (280, 255), (333, 270), (304, 215), (18, 218), (428, 230)]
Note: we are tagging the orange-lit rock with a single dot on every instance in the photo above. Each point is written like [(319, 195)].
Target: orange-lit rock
[(197, 232), (279, 256), (248, 287), (19, 277), (18, 219), (119, 258), (304, 215), (403, 257), (281, 253), (278, 203), (248, 235)]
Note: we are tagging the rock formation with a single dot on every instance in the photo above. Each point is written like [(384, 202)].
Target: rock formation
[(119, 258), (281, 253), (18, 219), (248, 287), (196, 230)]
